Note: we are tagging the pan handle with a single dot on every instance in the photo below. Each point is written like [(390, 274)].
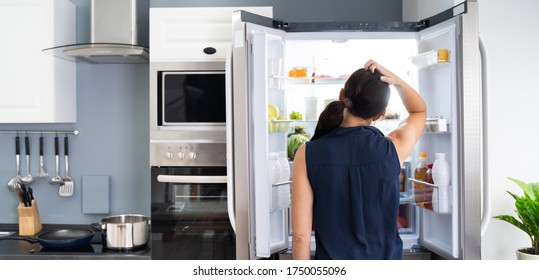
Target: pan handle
[(24, 238), (98, 226)]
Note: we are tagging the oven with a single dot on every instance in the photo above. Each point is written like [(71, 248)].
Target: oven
[(189, 206)]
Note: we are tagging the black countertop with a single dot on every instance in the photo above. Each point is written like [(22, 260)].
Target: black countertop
[(23, 250)]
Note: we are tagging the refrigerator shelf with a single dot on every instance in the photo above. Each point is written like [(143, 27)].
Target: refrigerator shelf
[(293, 122), (282, 126), (305, 81), (329, 80), (406, 198)]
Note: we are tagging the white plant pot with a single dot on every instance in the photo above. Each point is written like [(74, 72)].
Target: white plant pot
[(523, 255)]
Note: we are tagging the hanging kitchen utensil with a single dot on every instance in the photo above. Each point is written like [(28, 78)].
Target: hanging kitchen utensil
[(56, 180), (63, 239), (66, 189), (13, 184), (28, 178), (42, 172)]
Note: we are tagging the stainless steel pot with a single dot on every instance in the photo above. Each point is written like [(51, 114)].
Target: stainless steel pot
[(125, 232)]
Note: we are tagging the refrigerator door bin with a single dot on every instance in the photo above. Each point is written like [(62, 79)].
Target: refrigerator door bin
[(431, 197), (430, 58)]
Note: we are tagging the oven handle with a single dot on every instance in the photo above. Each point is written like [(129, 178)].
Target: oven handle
[(186, 179)]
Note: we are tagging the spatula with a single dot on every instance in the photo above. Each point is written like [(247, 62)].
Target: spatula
[(66, 189)]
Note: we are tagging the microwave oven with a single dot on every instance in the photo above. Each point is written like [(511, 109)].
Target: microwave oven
[(187, 105), (192, 98)]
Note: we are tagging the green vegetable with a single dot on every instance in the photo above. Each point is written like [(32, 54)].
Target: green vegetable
[(296, 116), (294, 142)]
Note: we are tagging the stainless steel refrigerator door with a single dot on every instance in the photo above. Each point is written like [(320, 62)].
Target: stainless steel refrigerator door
[(454, 90), (472, 127), (260, 229)]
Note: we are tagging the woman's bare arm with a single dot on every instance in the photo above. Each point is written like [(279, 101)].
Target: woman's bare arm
[(407, 134), (302, 208)]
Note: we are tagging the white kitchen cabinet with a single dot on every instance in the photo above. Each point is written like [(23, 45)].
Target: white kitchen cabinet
[(36, 87), (193, 34)]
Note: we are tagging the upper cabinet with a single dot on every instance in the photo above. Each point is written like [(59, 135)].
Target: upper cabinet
[(194, 34), (36, 87)]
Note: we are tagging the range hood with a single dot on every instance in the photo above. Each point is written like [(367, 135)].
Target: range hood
[(119, 34)]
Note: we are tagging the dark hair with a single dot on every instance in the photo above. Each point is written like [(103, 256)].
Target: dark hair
[(369, 97)]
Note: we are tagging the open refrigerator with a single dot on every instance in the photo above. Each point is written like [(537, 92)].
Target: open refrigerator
[(300, 67)]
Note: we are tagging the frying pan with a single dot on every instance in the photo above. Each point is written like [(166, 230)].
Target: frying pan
[(62, 239)]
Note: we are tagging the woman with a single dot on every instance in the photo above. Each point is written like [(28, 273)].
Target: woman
[(346, 181)]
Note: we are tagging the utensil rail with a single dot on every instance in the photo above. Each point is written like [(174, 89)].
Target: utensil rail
[(74, 132)]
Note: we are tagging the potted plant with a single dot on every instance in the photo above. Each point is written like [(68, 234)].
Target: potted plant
[(527, 208)]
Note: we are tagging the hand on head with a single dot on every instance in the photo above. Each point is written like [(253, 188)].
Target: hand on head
[(387, 76)]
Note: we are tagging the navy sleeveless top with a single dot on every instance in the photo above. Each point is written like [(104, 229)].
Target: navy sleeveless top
[(354, 174)]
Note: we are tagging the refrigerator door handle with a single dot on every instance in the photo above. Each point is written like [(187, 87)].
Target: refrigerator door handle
[(229, 144), (188, 179), (485, 217)]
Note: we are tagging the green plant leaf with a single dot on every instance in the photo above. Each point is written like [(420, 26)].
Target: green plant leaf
[(535, 189), (512, 220), (529, 189), (527, 209)]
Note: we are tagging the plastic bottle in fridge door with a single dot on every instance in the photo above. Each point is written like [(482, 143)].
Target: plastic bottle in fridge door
[(284, 167), (441, 175), (275, 168), (420, 174)]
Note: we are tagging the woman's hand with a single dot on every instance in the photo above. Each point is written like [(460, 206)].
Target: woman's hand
[(387, 76)]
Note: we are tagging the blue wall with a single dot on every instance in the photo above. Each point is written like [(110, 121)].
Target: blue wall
[(112, 113), (308, 10)]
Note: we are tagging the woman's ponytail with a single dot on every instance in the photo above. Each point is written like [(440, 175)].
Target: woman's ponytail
[(329, 119), (365, 96)]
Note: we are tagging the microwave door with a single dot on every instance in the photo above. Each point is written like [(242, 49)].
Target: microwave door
[(193, 98)]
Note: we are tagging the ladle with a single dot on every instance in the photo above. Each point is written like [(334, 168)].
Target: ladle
[(28, 178), (56, 180)]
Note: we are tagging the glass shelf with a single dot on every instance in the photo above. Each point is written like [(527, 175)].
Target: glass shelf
[(282, 126), (308, 81)]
